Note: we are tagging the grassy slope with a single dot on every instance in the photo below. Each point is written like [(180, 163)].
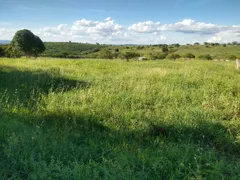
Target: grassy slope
[(57, 48), (98, 119), (219, 52)]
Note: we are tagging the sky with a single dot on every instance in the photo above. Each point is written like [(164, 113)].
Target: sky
[(123, 21)]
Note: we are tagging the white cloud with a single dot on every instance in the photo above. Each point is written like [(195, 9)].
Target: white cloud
[(148, 32), (105, 28), (145, 27), (6, 34), (226, 36), (185, 26)]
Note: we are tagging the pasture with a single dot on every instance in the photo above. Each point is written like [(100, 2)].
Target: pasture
[(111, 119)]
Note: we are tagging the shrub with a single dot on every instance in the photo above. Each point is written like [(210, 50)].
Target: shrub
[(205, 57), (165, 48), (12, 52), (129, 55), (232, 57), (189, 55), (173, 56), (157, 55), (106, 54)]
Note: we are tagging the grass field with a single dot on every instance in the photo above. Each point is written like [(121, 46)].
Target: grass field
[(103, 119)]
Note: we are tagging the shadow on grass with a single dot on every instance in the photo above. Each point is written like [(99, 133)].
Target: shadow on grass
[(26, 86), (81, 142)]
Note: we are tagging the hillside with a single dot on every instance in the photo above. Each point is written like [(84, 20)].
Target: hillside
[(71, 49)]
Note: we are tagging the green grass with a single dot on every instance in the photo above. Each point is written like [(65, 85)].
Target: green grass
[(217, 52), (99, 119)]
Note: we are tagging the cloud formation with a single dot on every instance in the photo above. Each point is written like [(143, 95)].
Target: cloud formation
[(147, 32), (185, 26)]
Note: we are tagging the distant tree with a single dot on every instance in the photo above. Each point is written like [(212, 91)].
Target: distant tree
[(140, 47), (232, 57), (117, 50), (189, 56), (2, 53), (157, 55), (165, 48), (25, 41), (173, 56), (205, 57), (196, 44), (65, 54), (234, 43), (224, 45), (129, 55), (106, 54)]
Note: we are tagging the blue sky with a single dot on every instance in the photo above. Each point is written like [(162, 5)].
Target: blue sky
[(126, 21)]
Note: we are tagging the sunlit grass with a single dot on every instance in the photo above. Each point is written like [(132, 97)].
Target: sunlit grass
[(105, 119)]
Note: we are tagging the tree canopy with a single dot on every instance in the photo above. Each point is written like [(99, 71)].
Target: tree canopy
[(25, 41)]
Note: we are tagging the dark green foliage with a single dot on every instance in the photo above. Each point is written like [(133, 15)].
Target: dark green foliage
[(173, 56), (25, 41), (140, 47), (39, 47), (12, 52), (2, 53), (129, 55), (105, 54), (74, 50), (205, 57), (232, 57), (157, 55), (235, 43), (165, 48), (189, 56)]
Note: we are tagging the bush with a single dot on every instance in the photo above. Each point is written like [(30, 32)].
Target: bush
[(165, 48), (232, 57), (189, 55), (129, 55), (205, 57), (106, 54), (157, 55), (12, 52), (173, 56)]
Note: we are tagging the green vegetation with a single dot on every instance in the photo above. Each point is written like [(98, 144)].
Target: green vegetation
[(104, 119), (189, 56), (129, 55), (173, 56), (205, 57), (73, 50), (28, 43), (152, 52), (217, 52)]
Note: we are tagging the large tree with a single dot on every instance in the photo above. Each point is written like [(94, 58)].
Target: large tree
[(25, 41)]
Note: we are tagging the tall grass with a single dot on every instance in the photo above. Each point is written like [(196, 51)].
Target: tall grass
[(99, 119)]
